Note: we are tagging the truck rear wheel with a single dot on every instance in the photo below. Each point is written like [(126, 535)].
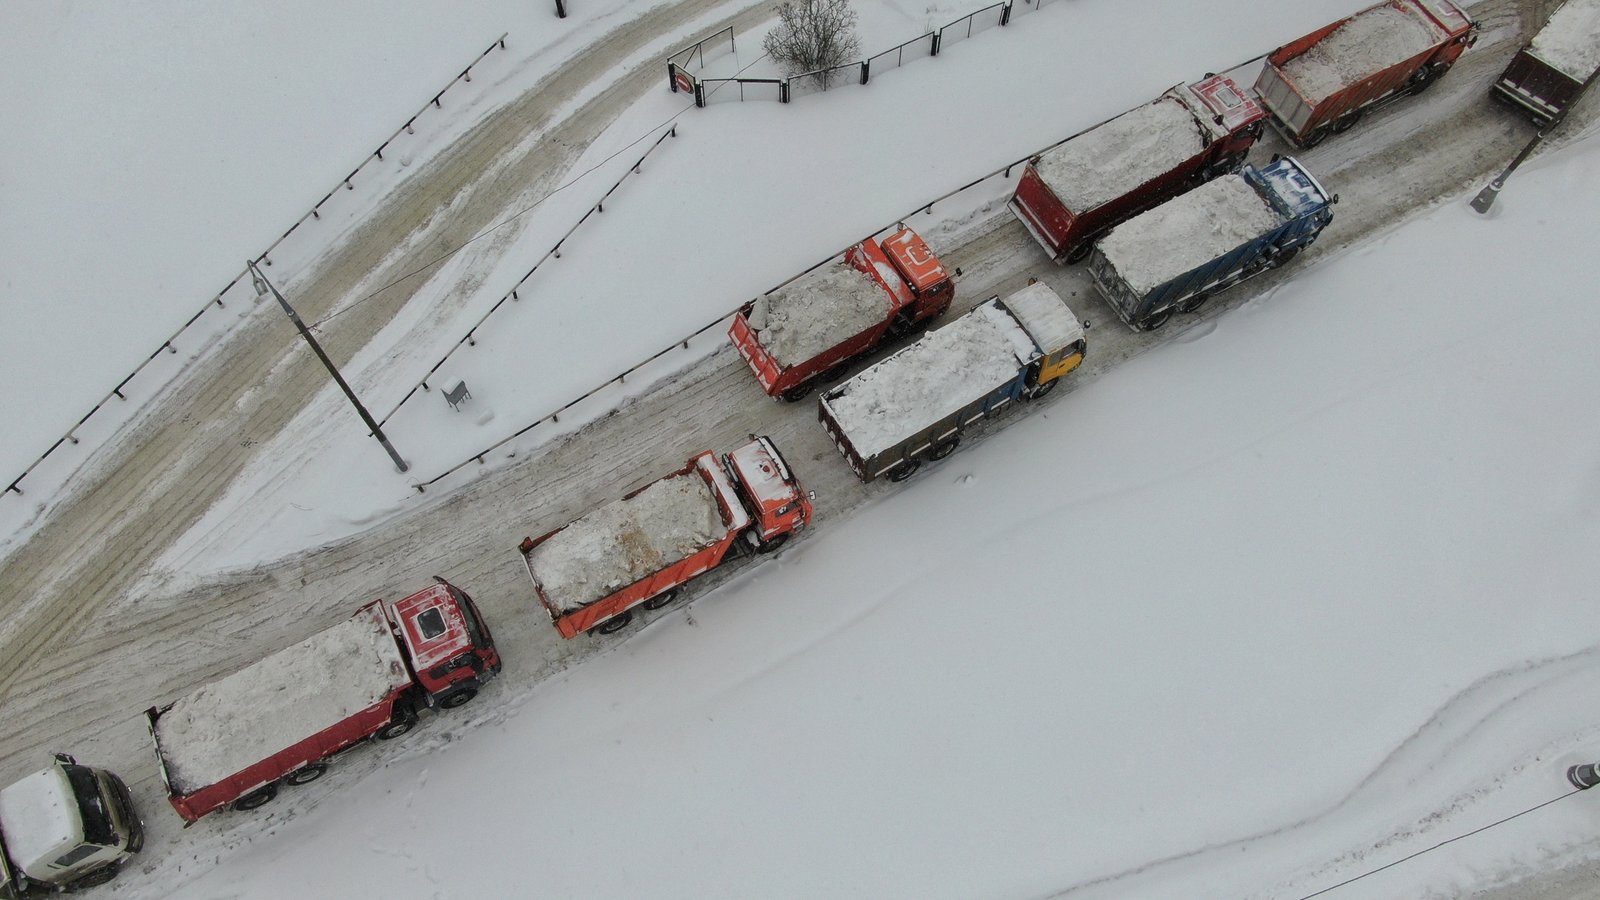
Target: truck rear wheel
[(837, 372), (1077, 253), (400, 724), (796, 393), (306, 774), (1425, 77), (614, 624), (459, 698), (905, 471), (661, 599), (944, 448), (261, 796)]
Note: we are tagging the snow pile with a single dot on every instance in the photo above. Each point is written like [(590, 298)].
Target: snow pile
[(224, 727), (818, 312), (626, 540), (36, 819), (1045, 316), (1363, 46), (1570, 41), (1183, 234), (946, 370), (1124, 153)]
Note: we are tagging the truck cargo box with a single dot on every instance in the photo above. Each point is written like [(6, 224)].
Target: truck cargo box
[(1323, 82), (1545, 77), (1071, 193)]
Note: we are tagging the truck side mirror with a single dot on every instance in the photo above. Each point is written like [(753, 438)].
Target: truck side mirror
[(811, 495), (1334, 199), (66, 759)]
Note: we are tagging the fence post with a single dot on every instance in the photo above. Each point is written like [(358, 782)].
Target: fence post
[(672, 76), (699, 94), (561, 10), (934, 50), (783, 91), (1005, 14), (866, 68)]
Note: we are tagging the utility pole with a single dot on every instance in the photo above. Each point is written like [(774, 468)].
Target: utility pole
[(1485, 198), (262, 286)]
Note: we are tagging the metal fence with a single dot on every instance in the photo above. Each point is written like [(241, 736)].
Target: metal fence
[(694, 57), (785, 90), (241, 281), (470, 338)]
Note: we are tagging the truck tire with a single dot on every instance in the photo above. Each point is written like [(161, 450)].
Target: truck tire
[(93, 879), (661, 599), (1346, 122), (837, 372), (1425, 77), (772, 545), (459, 698), (1155, 320), (905, 471), (796, 393), (1194, 303), (306, 774), (261, 796), (400, 724), (1079, 251), (614, 624), (1285, 255), (945, 448)]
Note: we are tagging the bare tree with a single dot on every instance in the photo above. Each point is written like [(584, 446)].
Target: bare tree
[(812, 35)]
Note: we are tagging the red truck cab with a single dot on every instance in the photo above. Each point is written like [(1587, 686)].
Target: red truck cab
[(770, 491), (450, 648), (879, 290)]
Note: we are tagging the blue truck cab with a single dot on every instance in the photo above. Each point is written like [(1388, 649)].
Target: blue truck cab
[(1175, 257)]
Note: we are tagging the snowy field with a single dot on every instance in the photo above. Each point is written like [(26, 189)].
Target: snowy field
[(1304, 606)]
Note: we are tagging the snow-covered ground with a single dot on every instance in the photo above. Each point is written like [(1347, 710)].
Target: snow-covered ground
[(1250, 615)]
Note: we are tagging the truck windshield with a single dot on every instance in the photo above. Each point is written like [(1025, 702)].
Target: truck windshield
[(474, 627), (97, 828)]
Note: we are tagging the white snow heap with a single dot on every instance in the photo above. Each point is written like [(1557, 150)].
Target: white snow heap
[(626, 540), (944, 371), (222, 728), (1045, 316), (818, 312), (1365, 45), (1183, 234), (39, 818), (1122, 154), (1570, 40)]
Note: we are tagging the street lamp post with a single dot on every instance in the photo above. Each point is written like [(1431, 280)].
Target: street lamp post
[(1485, 198), (262, 286)]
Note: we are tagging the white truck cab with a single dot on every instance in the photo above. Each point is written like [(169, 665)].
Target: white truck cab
[(68, 826)]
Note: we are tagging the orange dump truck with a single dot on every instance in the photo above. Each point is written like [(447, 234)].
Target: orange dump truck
[(817, 324), (590, 573)]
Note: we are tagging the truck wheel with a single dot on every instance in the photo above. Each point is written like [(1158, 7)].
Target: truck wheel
[(1194, 303), (1078, 252), (459, 698), (306, 774), (1314, 138), (1346, 122), (1155, 320), (400, 724), (796, 393), (1285, 255), (1039, 390), (93, 879), (261, 796), (772, 545), (836, 373), (614, 624), (661, 599), (1425, 77), (905, 471), (945, 448)]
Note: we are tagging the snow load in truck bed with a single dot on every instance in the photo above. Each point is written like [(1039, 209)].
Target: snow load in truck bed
[(820, 311), (1570, 41), (1124, 153), (1184, 234), (626, 540), (1365, 45), (944, 371), (224, 727)]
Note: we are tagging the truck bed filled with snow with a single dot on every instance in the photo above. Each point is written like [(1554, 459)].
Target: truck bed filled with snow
[(1122, 154), (818, 312), (627, 540), (946, 370), (224, 727), (1570, 41), (1153, 248), (1365, 45)]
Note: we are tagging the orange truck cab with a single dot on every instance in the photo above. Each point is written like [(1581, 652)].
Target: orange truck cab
[(817, 324)]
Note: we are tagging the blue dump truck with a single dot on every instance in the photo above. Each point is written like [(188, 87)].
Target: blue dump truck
[(1177, 256)]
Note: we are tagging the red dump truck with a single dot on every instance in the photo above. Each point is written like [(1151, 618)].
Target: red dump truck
[(279, 720), (589, 573), (817, 324), (1076, 191), (1324, 82), (1545, 77)]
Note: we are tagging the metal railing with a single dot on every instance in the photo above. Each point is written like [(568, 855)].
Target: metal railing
[(264, 258), (470, 339)]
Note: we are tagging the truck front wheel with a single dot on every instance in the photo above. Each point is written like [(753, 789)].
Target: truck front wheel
[(400, 724), (774, 544), (459, 698), (261, 796), (1079, 251), (944, 448), (796, 393), (93, 879), (1285, 255)]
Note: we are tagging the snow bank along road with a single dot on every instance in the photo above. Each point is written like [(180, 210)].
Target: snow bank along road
[(80, 666)]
